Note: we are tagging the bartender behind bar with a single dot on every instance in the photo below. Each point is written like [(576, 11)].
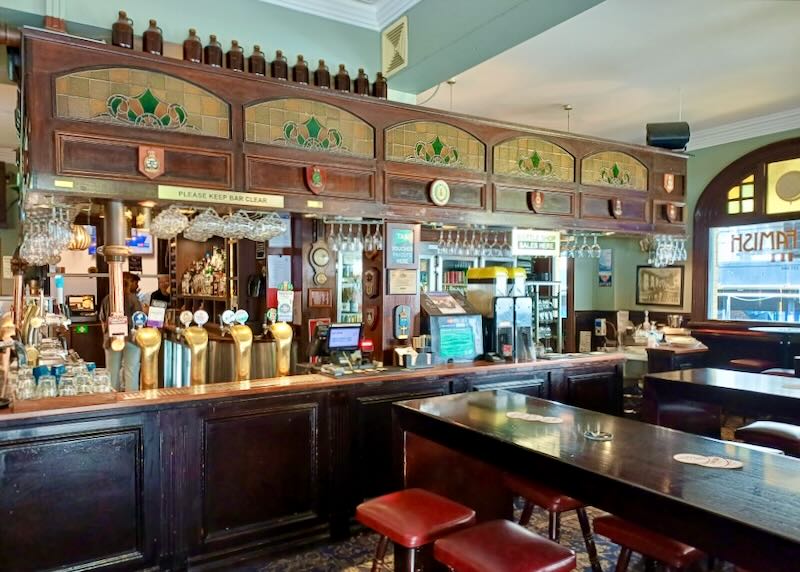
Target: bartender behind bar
[(123, 367)]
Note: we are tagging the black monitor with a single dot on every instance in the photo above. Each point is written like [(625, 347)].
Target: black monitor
[(343, 337)]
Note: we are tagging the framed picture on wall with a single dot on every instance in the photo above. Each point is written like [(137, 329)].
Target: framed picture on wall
[(659, 286)]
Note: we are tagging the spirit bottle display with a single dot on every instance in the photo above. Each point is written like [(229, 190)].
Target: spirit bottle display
[(206, 277)]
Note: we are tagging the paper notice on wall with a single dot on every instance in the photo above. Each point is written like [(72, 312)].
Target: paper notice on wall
[(279, 269), (285, 305), (585, 342), (7, 273)]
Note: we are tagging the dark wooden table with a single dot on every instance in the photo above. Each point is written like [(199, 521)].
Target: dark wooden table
[(747, 393), (786, 335), (749, 516)]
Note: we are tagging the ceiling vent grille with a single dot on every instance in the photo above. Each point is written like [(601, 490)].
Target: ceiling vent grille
[(394, 47)]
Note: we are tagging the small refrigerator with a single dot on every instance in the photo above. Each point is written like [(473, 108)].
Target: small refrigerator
[(348, 287), (427, 273)]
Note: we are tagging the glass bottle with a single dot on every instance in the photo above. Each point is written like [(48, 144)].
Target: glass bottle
[(193, 48), (381, 87), (300, 70), (152, 39), (280, 69), (361, 83), (341, 82), (122, 31), (212, 53), (322, 77), (257, 63), (234, 59)]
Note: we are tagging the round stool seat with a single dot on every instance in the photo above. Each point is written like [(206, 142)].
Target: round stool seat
[(754, 365), (781, 436), (781, 371), (413, 517), (646, 542), (549, 499), (502, 546)]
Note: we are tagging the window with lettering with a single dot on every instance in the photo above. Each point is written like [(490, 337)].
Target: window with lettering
[(754, 272)]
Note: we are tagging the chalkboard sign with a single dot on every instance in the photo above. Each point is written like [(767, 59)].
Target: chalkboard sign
[(401, 247), (134, 264)]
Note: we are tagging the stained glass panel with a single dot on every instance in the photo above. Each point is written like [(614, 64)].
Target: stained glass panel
[(614, 169), (783, 187), (437, 144), (309, 124), (530, 157), (140, 98)]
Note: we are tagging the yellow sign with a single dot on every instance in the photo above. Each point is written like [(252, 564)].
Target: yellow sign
[(196, 195), (315, 204), (61, 183)]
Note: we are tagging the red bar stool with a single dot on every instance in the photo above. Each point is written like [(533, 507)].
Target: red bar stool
[(411, 518), (782, 436), (632, 538), (555, 503), (502, 546)]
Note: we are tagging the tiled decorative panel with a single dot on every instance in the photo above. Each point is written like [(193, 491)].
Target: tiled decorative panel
[(529, 157), (308, 124), (436, 144), (614, 169), (140, 98)]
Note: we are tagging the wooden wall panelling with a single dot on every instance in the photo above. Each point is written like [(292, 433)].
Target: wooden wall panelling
[(518, 199), (599, 207), (58, 472), (374, 327)]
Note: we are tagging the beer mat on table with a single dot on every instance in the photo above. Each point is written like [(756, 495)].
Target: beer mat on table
[(791, 385), (706, 461), (533, 417)]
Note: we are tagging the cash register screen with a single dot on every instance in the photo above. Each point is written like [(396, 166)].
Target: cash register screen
[(457, 339), (344, 337)]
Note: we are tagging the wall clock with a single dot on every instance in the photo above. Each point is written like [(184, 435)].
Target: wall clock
[(320, 257)]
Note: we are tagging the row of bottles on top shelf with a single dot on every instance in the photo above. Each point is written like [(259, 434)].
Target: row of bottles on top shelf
[(206, 277), (234, 59)]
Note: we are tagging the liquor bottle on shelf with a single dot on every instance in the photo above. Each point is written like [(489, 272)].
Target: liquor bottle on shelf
[(381, 87), (257, 63), (300, 70), (193, 48), (322, 77), (234, 59), (122, 31), (341, 82), (361, 83), (152, 39), (212, 53), (280, 69)]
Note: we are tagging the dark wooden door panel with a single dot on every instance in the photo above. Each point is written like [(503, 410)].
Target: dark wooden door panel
[(261, 470), (73, 499), (596, 390)]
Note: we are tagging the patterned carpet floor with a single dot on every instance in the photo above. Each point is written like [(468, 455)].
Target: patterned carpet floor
[(355, 554)]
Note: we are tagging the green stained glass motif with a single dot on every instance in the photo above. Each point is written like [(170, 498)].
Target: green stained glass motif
[(435, 143), (614, 169), (311, 134), (308, 124), (436, 152), (146, 110), (527, 157)]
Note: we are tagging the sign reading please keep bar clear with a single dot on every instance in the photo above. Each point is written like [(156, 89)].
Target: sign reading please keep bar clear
[(173, 193)]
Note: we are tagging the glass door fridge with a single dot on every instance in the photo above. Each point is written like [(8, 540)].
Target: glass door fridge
[(427, 273), (452, 272), (348, 287)]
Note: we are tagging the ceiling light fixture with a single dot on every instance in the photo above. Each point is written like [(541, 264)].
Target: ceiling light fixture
[(568, 108)]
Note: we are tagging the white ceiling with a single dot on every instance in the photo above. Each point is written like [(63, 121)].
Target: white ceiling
[(625, 63), (372, 14)]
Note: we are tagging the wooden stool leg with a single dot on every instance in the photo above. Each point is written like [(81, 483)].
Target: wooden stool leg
[(623, 560), (380, 553), (554, 528), (588, 539), (527, 512)]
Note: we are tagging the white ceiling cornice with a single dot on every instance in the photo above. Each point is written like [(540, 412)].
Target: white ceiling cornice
[(373, 16), (745, 129)]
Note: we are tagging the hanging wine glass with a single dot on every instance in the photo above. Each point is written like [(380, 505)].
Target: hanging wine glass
[(441, 244), (448, 247), (505, 248), (459, 247), (358, 244), (332, 244), (378, 238), (495, 248), (595, 248), (486, 249), (476, 243)]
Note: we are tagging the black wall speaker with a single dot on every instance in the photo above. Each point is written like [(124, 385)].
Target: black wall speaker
[(670, 135)]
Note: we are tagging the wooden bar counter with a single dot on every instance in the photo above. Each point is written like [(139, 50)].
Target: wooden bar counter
[(205, 476)]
